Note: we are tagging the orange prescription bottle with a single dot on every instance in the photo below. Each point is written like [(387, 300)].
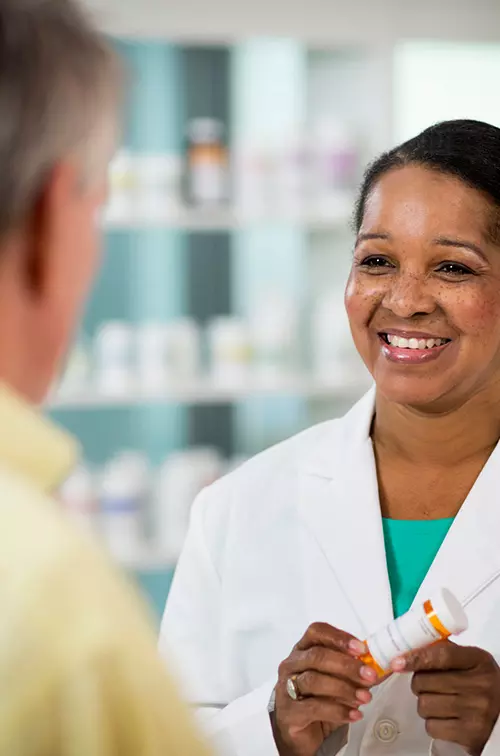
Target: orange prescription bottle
[(436, 619)]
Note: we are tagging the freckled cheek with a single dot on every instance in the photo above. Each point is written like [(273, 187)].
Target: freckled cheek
[(477, 316), (361, 300)]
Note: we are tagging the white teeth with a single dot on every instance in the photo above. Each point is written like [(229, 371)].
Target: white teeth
[(402, 343)]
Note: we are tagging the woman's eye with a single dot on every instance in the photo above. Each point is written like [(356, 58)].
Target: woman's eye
[(376, 261), (455, 269)]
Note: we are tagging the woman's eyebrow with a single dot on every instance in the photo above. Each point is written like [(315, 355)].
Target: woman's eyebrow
[(366, 237), (445, 242)]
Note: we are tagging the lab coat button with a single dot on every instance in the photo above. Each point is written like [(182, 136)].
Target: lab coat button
[(386, 731)]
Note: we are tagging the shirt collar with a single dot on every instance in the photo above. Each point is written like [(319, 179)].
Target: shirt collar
[(32, 446)]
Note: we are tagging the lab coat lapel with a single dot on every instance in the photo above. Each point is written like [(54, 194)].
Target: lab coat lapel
[(339, 509), (470, 555)]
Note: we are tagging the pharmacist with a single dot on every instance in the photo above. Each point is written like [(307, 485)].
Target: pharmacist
[(328, 536)]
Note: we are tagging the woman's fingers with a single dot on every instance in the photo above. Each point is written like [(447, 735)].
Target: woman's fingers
[(311, 683), (322, 634), (436, 706), (328, 662), (312, 710)]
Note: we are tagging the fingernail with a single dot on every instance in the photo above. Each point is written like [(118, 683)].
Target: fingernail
[(398, 664), (368, 674), (364, 696), (355, 715), (357, 647)]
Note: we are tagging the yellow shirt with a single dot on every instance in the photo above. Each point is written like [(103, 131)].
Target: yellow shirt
[(79, 673)]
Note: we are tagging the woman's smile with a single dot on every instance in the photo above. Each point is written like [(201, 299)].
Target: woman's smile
[(411, 347)]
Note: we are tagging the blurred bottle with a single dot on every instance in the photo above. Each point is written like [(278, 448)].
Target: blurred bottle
[(122, 187), (113, 358), (230, 350), (158, 184), (123, 495), (331, 339), (184, 348), (335, 163), (207, 163), (78, 497), (273, 324), (180, 479)]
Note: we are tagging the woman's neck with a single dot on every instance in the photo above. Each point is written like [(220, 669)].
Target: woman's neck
[(469, 432)]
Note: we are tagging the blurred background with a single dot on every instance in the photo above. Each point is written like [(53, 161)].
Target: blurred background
[(217, 325)]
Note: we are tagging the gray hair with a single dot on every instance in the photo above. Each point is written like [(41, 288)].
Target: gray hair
[(59, 93)]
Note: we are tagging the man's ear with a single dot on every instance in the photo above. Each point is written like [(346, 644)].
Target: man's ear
[(44, 227)]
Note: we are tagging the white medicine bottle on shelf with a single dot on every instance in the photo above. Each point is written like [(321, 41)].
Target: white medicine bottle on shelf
[(274, 333), (332, 349), (113, 354), (123, 495), (230, 350)]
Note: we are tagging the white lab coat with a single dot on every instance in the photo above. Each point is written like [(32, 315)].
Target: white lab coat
[(295, 537)]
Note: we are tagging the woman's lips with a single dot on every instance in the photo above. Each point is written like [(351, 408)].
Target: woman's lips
[(406, 356)]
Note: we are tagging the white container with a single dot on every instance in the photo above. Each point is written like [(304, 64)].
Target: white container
[(123, 496), (336, 163), (230, 350), (180, 479), (184, 349), (158, 190), (273, 325), (78, 496), (122, 187), (434, 620), (153, 357), (114, 358), (331, 341)]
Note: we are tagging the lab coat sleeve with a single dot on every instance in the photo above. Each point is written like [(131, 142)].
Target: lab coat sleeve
[(191, 639)]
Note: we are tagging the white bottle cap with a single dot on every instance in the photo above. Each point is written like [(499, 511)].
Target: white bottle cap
[(450, 611)]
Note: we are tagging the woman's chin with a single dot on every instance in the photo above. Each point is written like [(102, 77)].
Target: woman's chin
[(421, 393)]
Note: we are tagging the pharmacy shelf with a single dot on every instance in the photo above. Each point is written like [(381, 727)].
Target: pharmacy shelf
[(207, 392), (337, 215)]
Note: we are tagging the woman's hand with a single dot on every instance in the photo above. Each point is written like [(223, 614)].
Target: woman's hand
[(458, 691), (332, 684)]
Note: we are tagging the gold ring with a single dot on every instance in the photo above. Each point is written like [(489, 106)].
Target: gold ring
[(292, 688)]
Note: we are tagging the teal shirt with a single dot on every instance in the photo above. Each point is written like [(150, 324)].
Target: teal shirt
[(411, 546)]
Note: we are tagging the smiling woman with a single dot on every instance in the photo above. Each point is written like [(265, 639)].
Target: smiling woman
[(427, 266), (322, 540)]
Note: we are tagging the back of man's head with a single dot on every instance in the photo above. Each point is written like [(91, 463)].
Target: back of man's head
[(59, 88), (57, 85)]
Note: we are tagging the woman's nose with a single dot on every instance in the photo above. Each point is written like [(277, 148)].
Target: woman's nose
[(409, 295)]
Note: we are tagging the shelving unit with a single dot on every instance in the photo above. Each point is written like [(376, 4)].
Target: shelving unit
[(227, 220), (163, 265), (205, 392)]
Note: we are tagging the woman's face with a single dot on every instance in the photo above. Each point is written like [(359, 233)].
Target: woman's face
[(423, 297)]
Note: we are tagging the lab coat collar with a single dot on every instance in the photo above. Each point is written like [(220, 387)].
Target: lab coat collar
[(31, 446), (339, 506), (470, 555)]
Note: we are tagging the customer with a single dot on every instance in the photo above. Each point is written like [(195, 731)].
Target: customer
[(314, 545), (79, 675)]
